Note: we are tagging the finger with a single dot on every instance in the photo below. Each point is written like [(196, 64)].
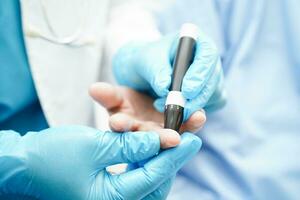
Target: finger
[(195, 122), (202, 68), (122, 122), (106, 94), (202, 98), (162, 191), (168, 138), (157, 170), (130, 147)]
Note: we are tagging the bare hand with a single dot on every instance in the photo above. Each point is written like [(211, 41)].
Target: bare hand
[(133, 111)]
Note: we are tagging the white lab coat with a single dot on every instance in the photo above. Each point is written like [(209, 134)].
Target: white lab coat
[(65, 41)]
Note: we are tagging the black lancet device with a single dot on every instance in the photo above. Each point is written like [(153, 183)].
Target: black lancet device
[(173, 115)]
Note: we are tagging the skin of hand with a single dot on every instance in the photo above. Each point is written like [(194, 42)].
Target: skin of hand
[(134, 111)]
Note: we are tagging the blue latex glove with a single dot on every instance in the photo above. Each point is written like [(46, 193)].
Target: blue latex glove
[(70, 163), (147, 67)]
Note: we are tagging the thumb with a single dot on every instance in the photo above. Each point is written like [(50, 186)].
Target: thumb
[(106, 94), (157, 170)]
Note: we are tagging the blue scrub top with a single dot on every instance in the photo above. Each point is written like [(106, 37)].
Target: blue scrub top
[(20, 109), (251, 147)]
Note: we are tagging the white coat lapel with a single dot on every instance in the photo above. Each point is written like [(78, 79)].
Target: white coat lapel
[(63, 71)]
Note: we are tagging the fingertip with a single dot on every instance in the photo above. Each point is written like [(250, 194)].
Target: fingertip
[(106, 94), (168, 138), (196, 121), (94, 87), (199, 116), (121, 122)]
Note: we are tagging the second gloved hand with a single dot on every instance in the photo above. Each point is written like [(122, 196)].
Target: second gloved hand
[(70, 163), (148, 67)]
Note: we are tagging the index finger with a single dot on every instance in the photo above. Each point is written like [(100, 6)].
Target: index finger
[(107, 95)]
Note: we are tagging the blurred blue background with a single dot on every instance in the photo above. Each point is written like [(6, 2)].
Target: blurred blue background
[(251, 147)]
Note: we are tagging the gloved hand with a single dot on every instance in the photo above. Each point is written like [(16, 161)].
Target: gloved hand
[(69, 163), (147, 67)]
